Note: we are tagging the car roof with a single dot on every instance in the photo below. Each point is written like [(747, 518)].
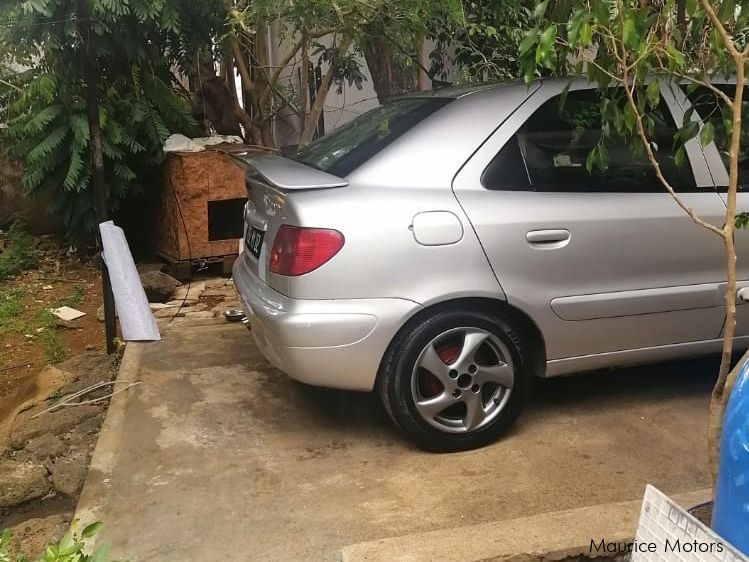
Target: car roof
[(460, 91), (455, 92)]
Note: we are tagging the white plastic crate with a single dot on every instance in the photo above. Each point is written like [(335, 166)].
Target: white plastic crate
[(669, 533)]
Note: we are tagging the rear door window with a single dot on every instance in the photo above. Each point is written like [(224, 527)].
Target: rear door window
[(349, 146), (712, 109), (554, 143)]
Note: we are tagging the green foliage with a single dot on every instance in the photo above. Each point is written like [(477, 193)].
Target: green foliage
[(68, 549), (75, 298), (11, 304), (627, 42), (42, 325), (481, 39), (44, 329), (45, 108), (20, 252)]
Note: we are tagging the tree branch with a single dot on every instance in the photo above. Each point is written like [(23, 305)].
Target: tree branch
[(651, 155), (727, 40), (320, 95), (248, 85), (286, 59)]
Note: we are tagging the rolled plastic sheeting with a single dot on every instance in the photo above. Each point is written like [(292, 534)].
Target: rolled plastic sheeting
[(136, 320)]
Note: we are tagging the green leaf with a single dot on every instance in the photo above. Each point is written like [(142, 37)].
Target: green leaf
[(548, 37), (728, 126), (742, 220), (727, 10), (688, 131), (528, 42), (573, 27), (653, 93), (675, 57), (603, 157), (540, 9), (631, 37), (679, 157), (691, 7), (590, 160), (601, 11), (707, 133), (630, 119), (67, 545), (91, 530), (586, 34)]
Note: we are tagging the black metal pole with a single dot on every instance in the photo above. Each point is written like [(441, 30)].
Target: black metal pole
[(97, 161)]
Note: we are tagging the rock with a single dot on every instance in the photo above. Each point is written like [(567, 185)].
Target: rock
[(68, 475), (32, 536), (52, 378), (158, 285), (25, 428), (100, 313), (22, 482), (44, 446), (146, 267)]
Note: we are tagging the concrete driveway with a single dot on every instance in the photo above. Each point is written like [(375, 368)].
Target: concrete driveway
[(218, 456)]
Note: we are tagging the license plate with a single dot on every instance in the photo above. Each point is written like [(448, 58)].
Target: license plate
[(254, 241)]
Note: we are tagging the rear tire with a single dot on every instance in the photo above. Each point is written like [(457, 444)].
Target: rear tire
[(456, 380)]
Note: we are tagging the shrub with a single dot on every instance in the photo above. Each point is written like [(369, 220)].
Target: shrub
[(20, 252)]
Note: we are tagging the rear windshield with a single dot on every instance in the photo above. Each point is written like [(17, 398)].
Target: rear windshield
[(349, 146)]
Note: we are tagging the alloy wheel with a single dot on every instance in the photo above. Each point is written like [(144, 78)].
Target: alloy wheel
[(462, 380)]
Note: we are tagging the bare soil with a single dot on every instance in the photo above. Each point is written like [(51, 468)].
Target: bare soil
[(30, 341), (60, 279)]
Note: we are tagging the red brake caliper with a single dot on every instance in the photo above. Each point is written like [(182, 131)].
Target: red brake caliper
[(431, 384)]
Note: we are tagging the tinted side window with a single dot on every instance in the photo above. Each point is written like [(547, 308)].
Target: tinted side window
[(555, 141), (507, 170), (711, 108)]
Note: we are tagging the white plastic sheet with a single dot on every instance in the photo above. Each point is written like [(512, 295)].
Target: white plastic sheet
[(136, 320), (180, 143)]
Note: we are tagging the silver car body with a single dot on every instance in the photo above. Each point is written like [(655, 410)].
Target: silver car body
[(603, 279)]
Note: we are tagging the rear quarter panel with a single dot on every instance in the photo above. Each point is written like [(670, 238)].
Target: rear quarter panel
[(381, 257)]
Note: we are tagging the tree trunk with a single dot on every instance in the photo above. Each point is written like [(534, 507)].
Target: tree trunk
[(310, 123), (726, 375), (303, 84), (389, 76), (250, 89), (421, 60), (97, 164)]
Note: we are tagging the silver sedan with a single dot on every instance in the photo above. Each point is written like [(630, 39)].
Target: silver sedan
[(446, 248)]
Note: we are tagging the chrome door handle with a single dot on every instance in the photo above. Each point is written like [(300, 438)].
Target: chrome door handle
[(547, 237)]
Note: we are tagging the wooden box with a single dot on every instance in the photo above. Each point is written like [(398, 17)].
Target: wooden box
[(199, 210)]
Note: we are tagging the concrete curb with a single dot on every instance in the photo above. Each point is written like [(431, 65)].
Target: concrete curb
[(548, 536), (95, 493)]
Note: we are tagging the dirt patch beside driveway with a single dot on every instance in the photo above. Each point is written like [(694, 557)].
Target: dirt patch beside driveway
[(219, 456)]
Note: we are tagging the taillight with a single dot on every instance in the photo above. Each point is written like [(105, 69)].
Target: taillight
[(298, 250)]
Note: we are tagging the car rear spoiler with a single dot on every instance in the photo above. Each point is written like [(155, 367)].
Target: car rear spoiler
[(286, 174)]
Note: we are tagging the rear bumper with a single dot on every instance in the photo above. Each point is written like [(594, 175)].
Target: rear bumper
[(334, 343)]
